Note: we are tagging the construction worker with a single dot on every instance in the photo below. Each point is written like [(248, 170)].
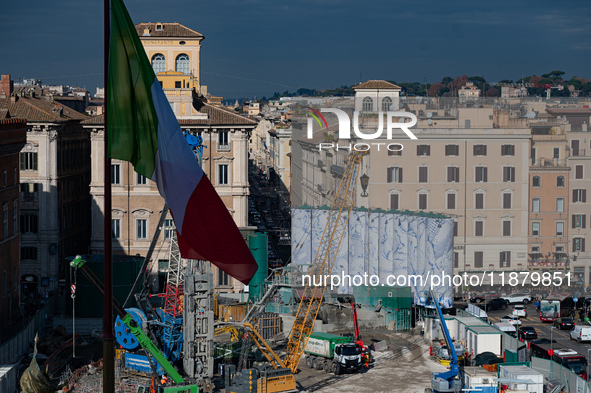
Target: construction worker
[(164, 380)]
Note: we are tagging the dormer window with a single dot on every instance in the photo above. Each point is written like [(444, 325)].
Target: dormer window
[(146, 32), (159, 27)]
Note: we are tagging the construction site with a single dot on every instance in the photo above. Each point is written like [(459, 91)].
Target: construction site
[(292, 334)]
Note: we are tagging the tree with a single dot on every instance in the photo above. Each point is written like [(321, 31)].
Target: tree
[(477, 79), (507, 81), (446, 80), (534, 79), (493, 92), (435, 88)]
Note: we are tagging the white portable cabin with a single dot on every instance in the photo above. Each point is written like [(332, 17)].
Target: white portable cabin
[(478, 379), (433, 328), (483, 339), (533, 381), (460, 332)]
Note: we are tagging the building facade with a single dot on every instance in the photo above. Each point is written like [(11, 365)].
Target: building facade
[(12, 139)]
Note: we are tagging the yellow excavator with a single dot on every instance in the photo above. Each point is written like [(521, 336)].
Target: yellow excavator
[(279, 374)]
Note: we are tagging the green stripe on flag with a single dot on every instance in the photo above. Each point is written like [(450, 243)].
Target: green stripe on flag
[(132, 121)]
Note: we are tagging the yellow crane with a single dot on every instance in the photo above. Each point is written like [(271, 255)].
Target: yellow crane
[(328, 248), (281, 378)]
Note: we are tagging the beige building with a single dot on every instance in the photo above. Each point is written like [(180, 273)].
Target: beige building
[(136, 203)]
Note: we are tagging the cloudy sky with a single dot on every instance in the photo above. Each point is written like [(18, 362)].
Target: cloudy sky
[(256, 47)]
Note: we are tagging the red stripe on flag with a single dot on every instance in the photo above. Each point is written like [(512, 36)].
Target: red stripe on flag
[(209, 233)]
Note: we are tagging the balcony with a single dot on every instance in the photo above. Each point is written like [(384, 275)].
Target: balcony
[(549, 162), (337, 170), (580, 152), (536, 261)]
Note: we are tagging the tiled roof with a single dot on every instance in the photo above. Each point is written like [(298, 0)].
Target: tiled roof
[(168, 30), (569, 111), (215, 116), (219, 116), (39, 109), (376, 84)]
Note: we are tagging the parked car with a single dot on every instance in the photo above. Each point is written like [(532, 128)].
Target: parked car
[(519, 311), (495, 304), (524, 298), (527, 332), (581, 333), (513, 320), (564, 323), (477, 299)]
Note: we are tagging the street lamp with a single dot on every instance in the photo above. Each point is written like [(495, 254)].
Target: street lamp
[(364, 183), (551, 351)]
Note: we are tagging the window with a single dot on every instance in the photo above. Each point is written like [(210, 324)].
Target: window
[(535, 229), (5, 220), (556, 152), (507, 150), (559, 229), (423, 174), (394, 201), (508, 174), (456, 259), (422, 201), (478, 258), (158, 63), (168, 228), (455, 228), (115, 173), (536, 181), (479, 201), (142, 229), (479, 150), (452, 150), (559, 181), (386, 104), (183, 64), (451, 201), (453, 174), (505, 259), (15, 216), (29, 223), (116, 228), (478, 228), (29, 190), (578, 172), (28, 161), (394, 152), (481, 174), (141, 179), (367, 105), (177, 85), (535, 205), (507, 200), (506, 228), (578, 221), (559, 204), (223, 278), (29, 253), (579, 195), (223, 174), (579, 244), (574, 146), (394, 175), (423, 150), (223, 142)]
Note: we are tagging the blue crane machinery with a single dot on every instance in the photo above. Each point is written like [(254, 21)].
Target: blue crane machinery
[(447, 381)]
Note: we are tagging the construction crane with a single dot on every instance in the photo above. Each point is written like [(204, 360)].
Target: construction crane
[(313, 296), (328, 248)]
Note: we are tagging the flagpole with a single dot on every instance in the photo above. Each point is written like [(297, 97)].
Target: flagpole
[(108, 335)]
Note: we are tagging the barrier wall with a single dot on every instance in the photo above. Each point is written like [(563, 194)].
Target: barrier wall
[(383, 244)]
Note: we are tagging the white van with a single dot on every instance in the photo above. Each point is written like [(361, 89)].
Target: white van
[(507, 328), (581, 333)]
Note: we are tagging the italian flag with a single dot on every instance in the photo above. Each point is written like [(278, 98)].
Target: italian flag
[(143, 130)]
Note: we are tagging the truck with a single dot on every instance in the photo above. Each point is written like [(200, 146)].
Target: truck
[(332, 353)]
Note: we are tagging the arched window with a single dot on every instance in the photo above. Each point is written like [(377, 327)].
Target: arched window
[(536, 181), (386, 104), (158, 63), (183, 64), (367, 105), (560, 181)]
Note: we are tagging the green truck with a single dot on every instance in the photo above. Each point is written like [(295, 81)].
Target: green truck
[(332, 353)]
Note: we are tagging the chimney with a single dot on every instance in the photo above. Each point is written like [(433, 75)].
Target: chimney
[(146, 32), (6, 85)]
